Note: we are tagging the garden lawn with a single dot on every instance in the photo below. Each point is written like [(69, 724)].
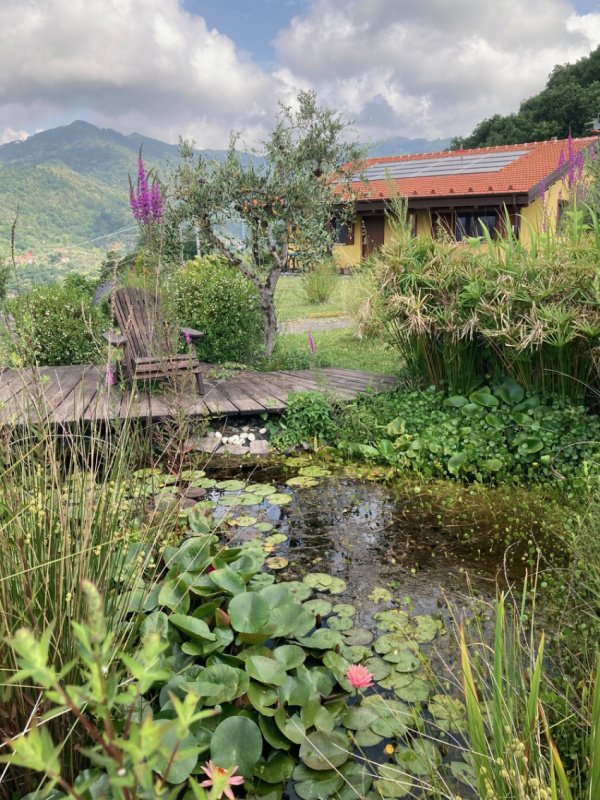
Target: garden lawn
[(334, 348), (291, 302)]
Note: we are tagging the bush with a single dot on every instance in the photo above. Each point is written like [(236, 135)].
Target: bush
[(308, 415), (58, 325), (459, 313), (215, 298), (493, 435), (320, 282)]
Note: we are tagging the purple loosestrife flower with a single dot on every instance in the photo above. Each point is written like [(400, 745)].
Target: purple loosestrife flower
[(109, 376), (147, 201), (188, 338), (311, 343)]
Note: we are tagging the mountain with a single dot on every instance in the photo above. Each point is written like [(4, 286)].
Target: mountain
[(401, 145), (568, 104), (70, 187)]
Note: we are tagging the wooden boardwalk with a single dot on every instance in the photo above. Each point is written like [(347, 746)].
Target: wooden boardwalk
[(65, 395)]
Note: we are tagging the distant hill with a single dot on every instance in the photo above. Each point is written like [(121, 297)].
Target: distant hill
[(568, 103), (70, 186), (401, 146)]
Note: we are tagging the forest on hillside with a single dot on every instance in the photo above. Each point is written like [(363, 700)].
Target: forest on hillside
[(568, 104)]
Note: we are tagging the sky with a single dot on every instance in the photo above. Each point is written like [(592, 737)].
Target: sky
[(204, 68)]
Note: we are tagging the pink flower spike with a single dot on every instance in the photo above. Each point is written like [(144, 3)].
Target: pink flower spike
[(188, 338), (359, 677), (221, 779), (311, 343), (109, 376)]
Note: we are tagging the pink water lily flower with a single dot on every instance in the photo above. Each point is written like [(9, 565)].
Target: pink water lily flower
[(359, 677), (221, 780)]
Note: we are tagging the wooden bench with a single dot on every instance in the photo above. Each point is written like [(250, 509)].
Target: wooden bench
[(148, 349)]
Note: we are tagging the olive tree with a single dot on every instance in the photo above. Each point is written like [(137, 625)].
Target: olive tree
[(257, 211)]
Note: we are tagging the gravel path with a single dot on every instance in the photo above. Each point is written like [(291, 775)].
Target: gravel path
[(321, 324)]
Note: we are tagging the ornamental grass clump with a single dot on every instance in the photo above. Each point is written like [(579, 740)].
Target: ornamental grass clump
[(462, 314)]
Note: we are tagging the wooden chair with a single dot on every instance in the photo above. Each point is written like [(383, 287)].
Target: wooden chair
[(148, 352)]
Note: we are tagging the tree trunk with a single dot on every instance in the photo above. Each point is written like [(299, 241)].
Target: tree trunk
[(269, 316)]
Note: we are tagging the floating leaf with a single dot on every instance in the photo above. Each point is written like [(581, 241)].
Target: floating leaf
[(192, 474), (340, 623), (325, 583), (265, 670), (355, 653), (321, 639), (357, 718), (314, 472), (228, 580), (426, 628), (261, 489), (277, 769), (299, 590), (448, 712), (357, 776), (192, 627), (302, 482), (380, 595), (263, 527), (231, 485), (421, 758), (279, 499), (312, 784), (360, 636), (322, 751), (243, 521), (392, 620), (277, 562), (344, 609), (392, 782), (464, 773), (289, 656), (417, 691), (178, 755), (276, 538), (378, 668), (237, 741), (220, 683), (320, 607)]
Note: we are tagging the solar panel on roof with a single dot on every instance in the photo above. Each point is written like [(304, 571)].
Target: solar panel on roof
[(447, 165)]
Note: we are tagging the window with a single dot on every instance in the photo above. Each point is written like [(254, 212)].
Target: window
[(474, 223), (344, 234)]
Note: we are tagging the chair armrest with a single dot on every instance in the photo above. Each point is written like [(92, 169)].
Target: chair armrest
[(190, 333), (116, 339)]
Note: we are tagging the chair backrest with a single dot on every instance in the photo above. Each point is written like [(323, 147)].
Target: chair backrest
[(139, 316)]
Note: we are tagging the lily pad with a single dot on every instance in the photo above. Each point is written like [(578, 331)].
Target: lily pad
[(321, 639), (289, 656), (426, 628), (277, 562), (448, 712), (380, 595), (317, 606), (249, 613), (299, 590), (393, 620), (279, 499), (312, 784), (417, 691), (263, 527), (231, 485), (325, 583), (344, 609), (265, 670), (367, 738), (302, 482), (192, 474), (393, 781), (314, 472), (324, 751), (275, 538), (237, 741), (360, 636), (355, 653), (421, 758), (243, 521), (261, 489), (358, 718), (340, 623), (378, 668), (358, 777)]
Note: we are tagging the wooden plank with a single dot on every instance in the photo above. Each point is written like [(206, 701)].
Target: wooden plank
[(217, 404), (236, 394), (65, 380), (258, 391), (73, 407), (313, 384)]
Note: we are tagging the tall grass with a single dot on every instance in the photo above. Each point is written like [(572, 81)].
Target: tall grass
[(70, 509), (462, 313)]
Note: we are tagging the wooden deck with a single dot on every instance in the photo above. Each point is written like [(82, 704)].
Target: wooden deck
[(65, 395)]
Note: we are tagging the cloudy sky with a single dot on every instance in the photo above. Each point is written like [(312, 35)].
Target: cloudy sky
[(201, 68)]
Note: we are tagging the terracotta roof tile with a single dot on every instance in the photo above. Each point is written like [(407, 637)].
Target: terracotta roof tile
[(540, 160)]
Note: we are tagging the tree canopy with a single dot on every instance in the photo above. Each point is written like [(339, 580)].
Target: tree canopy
[(568, 104)]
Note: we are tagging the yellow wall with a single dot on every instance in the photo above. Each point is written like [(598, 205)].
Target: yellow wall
[(540, 214)]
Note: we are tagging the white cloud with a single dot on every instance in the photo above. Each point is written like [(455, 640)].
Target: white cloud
[(133, 64), (432, 68)]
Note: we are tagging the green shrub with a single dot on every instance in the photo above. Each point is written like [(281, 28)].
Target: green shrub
[(58, 325), (460, 312), (215, 298), (493, 435), (320, 282), (308, 415)]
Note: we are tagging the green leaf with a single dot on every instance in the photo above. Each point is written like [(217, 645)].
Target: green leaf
[(509, 391), (456, 401), (393, 781), (322, 751), (483, 398), (249, 613), (227, 580), (237, 741), (456, 461), (174, 595), (194, 628), (265, 670)]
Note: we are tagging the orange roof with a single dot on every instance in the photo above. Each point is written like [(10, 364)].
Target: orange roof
[(533, 163)]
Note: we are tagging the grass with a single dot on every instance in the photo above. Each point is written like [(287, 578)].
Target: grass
[(291, 302), (334, 348)]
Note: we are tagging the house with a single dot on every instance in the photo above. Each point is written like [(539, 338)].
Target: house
[(459, 191)]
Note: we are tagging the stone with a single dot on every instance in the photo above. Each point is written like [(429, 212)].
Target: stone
[(206, 444), (195, 492), (233, 449), (259, 447)]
